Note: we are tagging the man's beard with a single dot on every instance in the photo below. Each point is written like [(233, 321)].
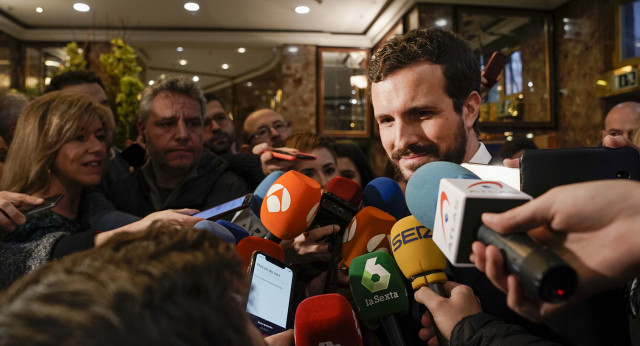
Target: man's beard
[(454, 153), (219, 149)]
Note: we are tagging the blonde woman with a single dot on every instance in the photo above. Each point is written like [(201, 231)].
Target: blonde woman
[(60, 147)]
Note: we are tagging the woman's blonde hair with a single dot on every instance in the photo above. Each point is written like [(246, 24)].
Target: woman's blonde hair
[(44, 126)]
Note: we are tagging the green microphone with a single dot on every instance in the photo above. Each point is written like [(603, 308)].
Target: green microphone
[(379, 293)]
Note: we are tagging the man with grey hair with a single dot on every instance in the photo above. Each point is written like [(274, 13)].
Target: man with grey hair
[(178, 174), (11, 105)]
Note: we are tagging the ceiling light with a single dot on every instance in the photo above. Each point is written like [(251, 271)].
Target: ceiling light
[(249, 84), (191, 6), (195, 78), (51, 63), (293, 49), (182, 62), (441, 22), (39, 9), (529, 135), (302, 9), (80, 7), (241, 50), (152, 82), (179, 49), (162, 76), (225, 66)]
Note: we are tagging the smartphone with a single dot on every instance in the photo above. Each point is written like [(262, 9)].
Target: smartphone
[(269, 302), (494, 68), (283, 155), (49, 203), (543, 169), (135, 155), (227, 208)]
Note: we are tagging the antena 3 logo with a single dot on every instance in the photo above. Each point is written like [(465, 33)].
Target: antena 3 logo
[(278, 199), (375, 277)]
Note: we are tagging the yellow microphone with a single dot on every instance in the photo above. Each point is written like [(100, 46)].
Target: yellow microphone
[(418, 257)]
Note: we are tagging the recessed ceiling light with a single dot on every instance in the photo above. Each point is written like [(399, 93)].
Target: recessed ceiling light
[(441, 22), (191, 6), (39, 9), (249, 84), (225, 66), (80, 7), (182, 62), (195, 78), (302, 9), (152, 82), (179, 49), (241, 50)]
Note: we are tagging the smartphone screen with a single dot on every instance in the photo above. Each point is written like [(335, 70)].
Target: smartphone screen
[(270, 294), (225, 208)]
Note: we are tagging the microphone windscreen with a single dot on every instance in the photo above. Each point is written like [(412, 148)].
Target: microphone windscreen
[(367, 232), (248, 245), (290, 205), (261, 190), (216, 229), (327, 319), (422, 188), (346, 189), (416, 254), (386, 195), (238, 232), (377, 286)]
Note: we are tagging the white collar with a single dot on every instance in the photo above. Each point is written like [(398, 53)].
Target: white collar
[(481, 156)]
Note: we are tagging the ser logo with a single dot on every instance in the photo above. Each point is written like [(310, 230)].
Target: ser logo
[(409, 235), (278, 199)]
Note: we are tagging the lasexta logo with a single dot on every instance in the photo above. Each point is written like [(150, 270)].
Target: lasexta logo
[(375, 277)]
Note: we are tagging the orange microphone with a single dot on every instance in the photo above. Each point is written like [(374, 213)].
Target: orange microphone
[(367, 232), (290, 205)]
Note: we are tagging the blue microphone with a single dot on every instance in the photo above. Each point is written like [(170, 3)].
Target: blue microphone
[(261, 191), (386, 195), (216, 229), (422, 188), (238, 232)]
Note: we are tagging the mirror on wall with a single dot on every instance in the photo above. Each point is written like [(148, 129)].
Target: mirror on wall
[(342, 92), (524, 95)]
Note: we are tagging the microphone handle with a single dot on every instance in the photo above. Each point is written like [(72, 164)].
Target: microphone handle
[(421, 310), (438, 287), (393, 330), (541, 271), (273, 238), (335, 248)]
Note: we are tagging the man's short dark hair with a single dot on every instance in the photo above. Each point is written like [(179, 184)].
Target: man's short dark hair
[(73, 78), (460, 67), (213, 97), (167, 285)]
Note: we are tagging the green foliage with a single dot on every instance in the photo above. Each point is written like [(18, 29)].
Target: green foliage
[(76, 58), (122, 67)]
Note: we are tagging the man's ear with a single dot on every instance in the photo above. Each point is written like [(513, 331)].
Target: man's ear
[(471, 109), (141, 130)]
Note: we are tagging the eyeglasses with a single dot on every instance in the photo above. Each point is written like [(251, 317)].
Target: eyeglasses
[(219, 118), (264, 131)]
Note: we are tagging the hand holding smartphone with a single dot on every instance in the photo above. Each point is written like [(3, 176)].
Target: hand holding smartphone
[(227, 208), (49, 203), (494, 68), (269, 299), (283, 155)]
